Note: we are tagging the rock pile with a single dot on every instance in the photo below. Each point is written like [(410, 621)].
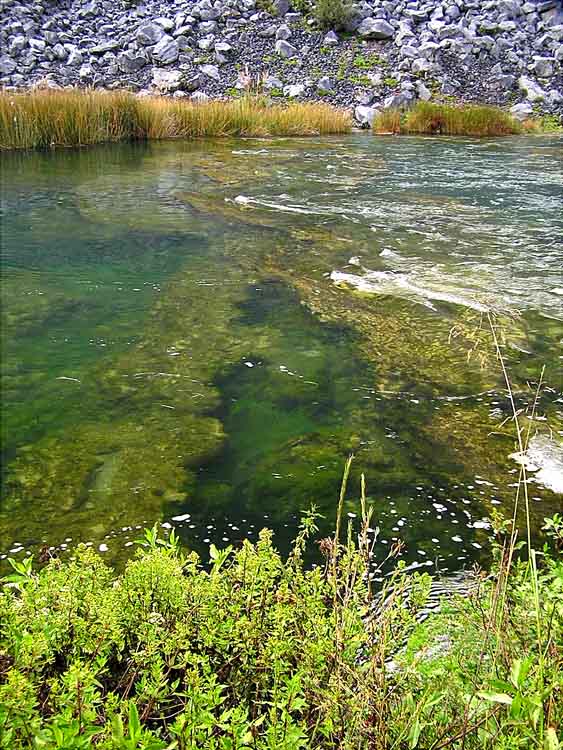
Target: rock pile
[(506, 52)]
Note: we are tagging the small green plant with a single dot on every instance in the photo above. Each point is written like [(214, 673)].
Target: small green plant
[(367, 62), (332, 14), (553, 528), (360, 80), (391, 82), (302, 6), (266, 6), (342, 68)]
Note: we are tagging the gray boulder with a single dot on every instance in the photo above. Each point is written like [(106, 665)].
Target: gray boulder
[(521, 111), (60, 52), (365, 116), (207, 27), (211, 71), (331, 39), (399, 101), (283, 32), (281, 7), (150, 34), (166, 51), (294, 90), (533, 91), (268, 32), (542, 67), (285, 49), (206, 42), (85, 72), (75, 57), (423, 92), (17, 44), (271, 82), (192, 83), (37, 45), (101, 49), (325, 86), (375, 28), (7, 65), (166, 23), (130, 62), (167, 81)]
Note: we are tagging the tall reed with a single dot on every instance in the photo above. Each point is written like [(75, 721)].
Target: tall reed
[(427, 118), (42, 119)]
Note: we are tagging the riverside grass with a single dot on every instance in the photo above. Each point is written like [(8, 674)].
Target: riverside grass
[(43, 119), (427, 118), (74, 117)]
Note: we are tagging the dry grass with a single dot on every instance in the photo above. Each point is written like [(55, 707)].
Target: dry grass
[(42, 119), (387, 121), (426, 118)]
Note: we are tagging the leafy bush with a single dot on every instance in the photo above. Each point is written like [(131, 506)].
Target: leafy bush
[(256, 651), (332, 14)]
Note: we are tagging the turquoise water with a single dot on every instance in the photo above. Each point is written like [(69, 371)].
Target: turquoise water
[(200, 334)]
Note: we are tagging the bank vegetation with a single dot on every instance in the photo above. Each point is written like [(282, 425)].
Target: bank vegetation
[(73, 117)]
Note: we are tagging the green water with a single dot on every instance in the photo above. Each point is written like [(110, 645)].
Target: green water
[(200, 334)]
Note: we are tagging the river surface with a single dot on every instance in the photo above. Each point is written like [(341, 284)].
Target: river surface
[(199, 334)]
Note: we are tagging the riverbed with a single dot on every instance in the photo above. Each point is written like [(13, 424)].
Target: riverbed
[(199, 334)]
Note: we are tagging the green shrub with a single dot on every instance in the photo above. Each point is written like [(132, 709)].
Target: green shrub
[(252, 650), (332, 14)]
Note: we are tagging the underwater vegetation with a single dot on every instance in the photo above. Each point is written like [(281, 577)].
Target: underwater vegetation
[(211, 347)]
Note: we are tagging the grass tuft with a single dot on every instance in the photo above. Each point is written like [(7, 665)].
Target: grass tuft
[(427, 118), (44, 119)]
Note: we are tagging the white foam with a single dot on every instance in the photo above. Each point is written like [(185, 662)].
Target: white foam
[(544, 458), (389, 282)]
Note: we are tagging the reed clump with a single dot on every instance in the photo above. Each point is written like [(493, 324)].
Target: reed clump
[(427, 118), (44, 119)]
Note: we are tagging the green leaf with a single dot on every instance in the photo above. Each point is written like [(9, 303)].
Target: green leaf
[(515, 672), (117, 727), (213, 552), (134, 723), (550, 740), (496, 698), (414, 734)]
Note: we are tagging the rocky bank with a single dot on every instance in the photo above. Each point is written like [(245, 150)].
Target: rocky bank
[(389, 53)]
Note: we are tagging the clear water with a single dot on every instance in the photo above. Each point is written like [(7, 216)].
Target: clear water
[(200, 333)]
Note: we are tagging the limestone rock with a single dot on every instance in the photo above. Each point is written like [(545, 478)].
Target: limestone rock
[(365, 116), (285, 49), (375, 28), (166, 51), (149, 34)]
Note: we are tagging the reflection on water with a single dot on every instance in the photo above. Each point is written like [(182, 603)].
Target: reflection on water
[(201, 333)]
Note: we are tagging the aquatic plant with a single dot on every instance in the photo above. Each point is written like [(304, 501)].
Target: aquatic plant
[(42, 119)]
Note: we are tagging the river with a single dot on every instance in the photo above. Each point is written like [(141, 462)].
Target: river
[(200, 333)]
